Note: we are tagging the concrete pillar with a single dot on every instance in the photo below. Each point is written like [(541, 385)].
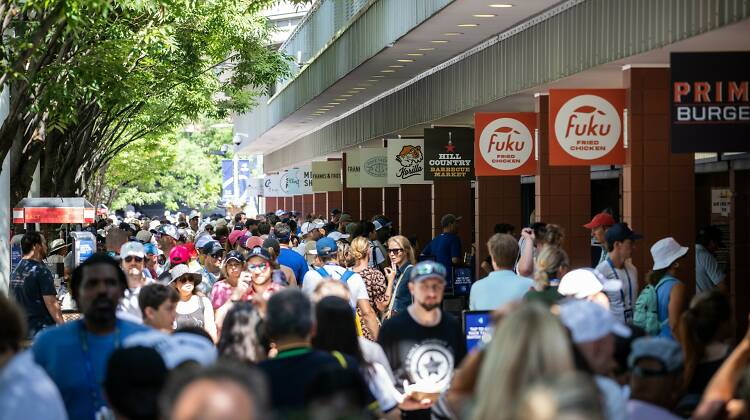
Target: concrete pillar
[(563, 194), (391, 206), (498, 200), (454, 197), (5, 207), (739, 250), (320, 204), (415, 213), (658, 186), (371, 201)]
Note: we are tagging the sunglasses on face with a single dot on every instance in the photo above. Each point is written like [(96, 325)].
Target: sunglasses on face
[(218, 255), (257, 267), (132, 258), (186, 280), (395, 250)]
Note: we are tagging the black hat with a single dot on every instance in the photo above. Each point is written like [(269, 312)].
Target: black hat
[(620, 232), (259, 252)]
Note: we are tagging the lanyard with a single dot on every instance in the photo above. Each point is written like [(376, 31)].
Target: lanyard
[(94, 385), (630, 284)]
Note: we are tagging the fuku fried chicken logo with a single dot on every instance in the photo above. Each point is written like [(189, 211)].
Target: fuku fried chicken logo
[(587, 127), (506, 144), (410, 158)]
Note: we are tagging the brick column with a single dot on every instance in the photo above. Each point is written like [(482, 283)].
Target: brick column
[(658, 186), (350, 196), (320, 204), (498, 200), (390, 205), (271, 204), (288, 203), (297, 203), (739, 249), (563, 194), (415, 213), (371, 202), (333, 201), (308, 204), (453, 197)]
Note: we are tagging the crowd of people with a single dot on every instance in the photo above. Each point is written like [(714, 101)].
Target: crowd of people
[(285, 316)]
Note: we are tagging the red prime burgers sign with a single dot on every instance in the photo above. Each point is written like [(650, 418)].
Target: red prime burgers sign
[(585, 127), (504, 143), (710, 96)]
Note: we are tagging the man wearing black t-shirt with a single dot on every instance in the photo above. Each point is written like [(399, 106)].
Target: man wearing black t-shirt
[(33, 287), (289, 324), (424, 344)]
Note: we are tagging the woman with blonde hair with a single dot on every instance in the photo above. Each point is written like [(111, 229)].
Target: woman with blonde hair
[(514, 361), (402, 259), (375, 282), (551, 265)]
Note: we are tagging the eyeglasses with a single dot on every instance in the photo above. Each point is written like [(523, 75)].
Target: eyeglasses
[(395, 250), (131, 258), (257, 267)]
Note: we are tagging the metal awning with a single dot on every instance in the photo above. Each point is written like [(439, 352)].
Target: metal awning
[(54, 210)]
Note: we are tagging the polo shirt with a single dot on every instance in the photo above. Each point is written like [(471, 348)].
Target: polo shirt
[(497, 289)]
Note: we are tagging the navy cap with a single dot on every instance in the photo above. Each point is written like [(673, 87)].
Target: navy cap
[(620, 232), (259, 252), (211, 248), (234, 255), (427, 270), (325, 247)]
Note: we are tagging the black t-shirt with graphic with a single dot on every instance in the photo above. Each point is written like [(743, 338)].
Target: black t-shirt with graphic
[(30, 281), (422, 354)]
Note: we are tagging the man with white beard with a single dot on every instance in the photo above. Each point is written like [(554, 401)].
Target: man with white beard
[(132, 262)]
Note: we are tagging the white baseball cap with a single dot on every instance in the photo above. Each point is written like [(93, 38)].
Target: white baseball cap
[(588, 321), (175, 348), (586, 282), (132, 248), (666, 251), (337, 236), (308, 227)]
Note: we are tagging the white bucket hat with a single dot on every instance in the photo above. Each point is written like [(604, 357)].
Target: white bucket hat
[(585, 282), (666, 251)]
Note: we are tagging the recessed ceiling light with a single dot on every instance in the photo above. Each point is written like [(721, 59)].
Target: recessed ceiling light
[(467, 25), (359, 88), (426, 49), (415, 54), (403, 60), (353, 92), (439, 41), (501, 5), (346, 96), (484, 15), (341, 99), (334, 103), (377, 75), (396, 66), (453, 33), (387, 71), (373, 80)]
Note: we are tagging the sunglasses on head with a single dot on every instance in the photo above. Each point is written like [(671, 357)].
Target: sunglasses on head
[(131, 258)]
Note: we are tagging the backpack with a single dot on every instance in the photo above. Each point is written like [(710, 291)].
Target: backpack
[(344, 276), (646, 314)]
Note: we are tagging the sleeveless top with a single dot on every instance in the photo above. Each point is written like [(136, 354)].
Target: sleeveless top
[(193, 319), (662, 300)]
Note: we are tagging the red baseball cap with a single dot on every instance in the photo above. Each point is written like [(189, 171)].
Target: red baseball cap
[(601, 219), (179, 255)]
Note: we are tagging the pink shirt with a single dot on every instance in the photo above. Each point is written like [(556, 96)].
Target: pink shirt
[(222, 291)]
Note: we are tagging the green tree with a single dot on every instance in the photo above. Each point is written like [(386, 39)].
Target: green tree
[(88, 78)]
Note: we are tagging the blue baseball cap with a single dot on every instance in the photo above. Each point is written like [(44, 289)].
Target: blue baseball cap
[(325, 247), (428, 270), (665, 351), (150, 249)]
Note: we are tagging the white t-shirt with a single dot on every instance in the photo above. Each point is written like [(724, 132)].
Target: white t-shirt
[(621, 300), (356, 285)]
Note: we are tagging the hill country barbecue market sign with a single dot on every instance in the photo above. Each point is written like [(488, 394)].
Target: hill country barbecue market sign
[(449, 153)]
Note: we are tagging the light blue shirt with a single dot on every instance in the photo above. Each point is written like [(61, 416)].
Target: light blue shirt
[(60, 353), (497, 289), (27, 391)]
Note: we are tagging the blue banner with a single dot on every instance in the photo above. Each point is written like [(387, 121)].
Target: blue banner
[(227, 183)]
